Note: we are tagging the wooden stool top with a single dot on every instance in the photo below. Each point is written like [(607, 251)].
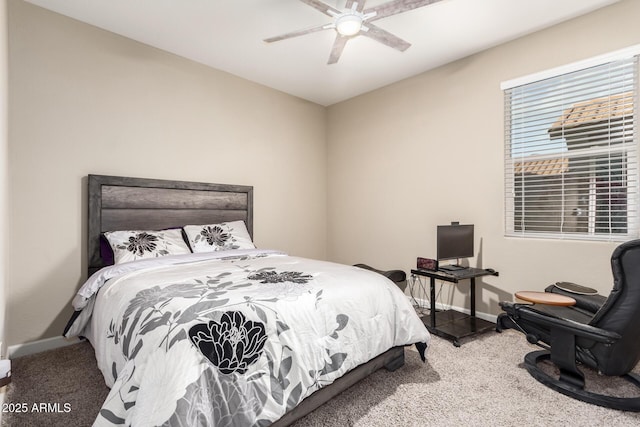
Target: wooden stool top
[(545, 298)]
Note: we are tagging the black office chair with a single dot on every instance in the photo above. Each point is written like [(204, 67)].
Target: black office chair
[(607, 340), (398, 277)]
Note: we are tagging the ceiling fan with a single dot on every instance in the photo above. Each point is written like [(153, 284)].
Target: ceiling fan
[(355, 20)]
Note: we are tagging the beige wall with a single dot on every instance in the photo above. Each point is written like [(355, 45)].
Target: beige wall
[(366, 180), (429, 150), (87, 101), (3, 168)]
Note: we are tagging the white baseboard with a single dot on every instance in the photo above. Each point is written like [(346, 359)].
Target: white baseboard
[(33, 347), (439, 306)]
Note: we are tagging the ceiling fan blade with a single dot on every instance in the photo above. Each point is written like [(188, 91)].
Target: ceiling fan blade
[(322, 7), (385, 37), (296, 33), (396, 6), (350, 3), (338, 47)]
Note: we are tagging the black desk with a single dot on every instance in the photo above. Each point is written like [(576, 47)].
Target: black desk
[(452, 324)]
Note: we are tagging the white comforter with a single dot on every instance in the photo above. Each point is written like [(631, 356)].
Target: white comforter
[(233, 340)]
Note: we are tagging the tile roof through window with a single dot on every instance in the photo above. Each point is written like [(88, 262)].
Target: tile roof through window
[(546, 167), (593, 112), (580, 118)]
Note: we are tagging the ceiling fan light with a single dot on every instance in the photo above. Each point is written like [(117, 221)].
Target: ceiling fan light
[(348, 25)]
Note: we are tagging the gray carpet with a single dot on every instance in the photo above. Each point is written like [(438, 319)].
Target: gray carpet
[(65, 375), (482, 383)]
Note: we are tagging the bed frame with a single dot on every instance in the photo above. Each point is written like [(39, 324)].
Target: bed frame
[(124, 203)]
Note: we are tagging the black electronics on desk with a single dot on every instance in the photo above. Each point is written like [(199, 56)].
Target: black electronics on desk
[(427, 264), (454, 241)]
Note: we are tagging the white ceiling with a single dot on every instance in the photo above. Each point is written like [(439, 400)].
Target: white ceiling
[(228, 34)]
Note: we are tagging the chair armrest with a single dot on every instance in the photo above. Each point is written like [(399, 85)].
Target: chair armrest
[(591, 303), (396, 276), (528, 313)]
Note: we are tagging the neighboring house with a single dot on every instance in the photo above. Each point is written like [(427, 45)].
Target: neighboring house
[(536, 210), (580, 188)]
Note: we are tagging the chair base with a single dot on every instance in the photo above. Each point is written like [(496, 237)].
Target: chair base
[(531, 361)]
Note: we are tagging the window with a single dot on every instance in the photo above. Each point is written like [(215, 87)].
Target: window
[(571, 165)]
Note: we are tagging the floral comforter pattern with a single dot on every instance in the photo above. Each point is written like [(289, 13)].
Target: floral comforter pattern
[(237, 340)]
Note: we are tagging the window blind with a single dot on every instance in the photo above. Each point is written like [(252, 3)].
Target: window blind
[(571, 154)]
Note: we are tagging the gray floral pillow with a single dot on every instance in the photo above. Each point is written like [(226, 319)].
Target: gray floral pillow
[(133, 245), (218, 237)]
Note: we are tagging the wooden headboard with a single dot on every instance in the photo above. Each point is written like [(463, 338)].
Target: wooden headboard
[(123, 203)]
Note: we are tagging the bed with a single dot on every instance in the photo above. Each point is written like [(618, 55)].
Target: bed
[(234, 336)]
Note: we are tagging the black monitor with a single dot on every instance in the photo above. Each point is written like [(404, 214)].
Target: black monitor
[(455, 241)]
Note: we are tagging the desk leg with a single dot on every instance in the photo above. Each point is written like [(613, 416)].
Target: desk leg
[(473, 297), (432, 309)]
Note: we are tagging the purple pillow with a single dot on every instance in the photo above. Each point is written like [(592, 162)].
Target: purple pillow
[(106, 253)]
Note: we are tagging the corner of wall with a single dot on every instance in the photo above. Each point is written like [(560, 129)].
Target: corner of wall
[(4, 136)]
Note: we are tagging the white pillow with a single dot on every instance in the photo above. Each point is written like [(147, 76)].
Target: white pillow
[(218, 237), (133, 245)]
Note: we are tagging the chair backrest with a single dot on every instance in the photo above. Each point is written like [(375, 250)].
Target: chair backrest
[(620, 313)]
